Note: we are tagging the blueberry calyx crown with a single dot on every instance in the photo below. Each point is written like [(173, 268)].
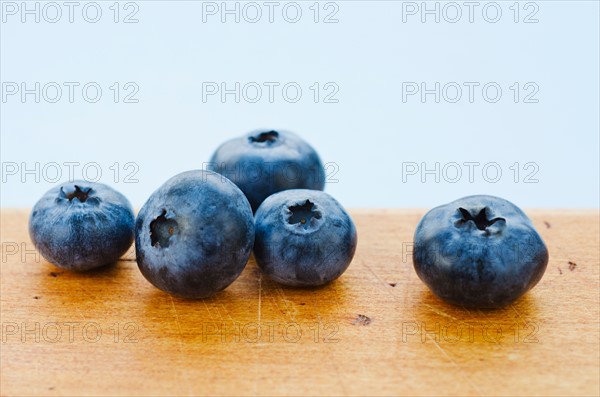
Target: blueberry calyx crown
[(162, 229), (303, 214), (482, 221), (268, 137), (82, 194)]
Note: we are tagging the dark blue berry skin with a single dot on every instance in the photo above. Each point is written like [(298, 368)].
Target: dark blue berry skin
[(82, 225), (194, 235), (479, 252), (304, 238), (262, 163)]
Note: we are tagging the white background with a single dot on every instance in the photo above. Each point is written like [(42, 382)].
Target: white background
[(370, 135)]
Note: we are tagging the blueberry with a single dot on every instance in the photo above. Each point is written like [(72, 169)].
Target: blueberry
[(265, 162), (479, 252), (194, 235), (82, 225), (303, 238)]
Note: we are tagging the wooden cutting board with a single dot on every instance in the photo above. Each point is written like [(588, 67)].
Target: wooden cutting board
[(375, 331)]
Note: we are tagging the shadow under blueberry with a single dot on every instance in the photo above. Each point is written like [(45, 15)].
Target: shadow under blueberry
[(95, 282), (103, 271), (252, 300), (519, 323), (175, 318)]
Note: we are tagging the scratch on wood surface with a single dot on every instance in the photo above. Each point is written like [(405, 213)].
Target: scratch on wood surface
[(482, 316), (217, 307), (180, 343), (277, 300), (228, 313), (288, 305), (443, 313), (259, 296), (256, 362), (454, 363), (207, 310), (383, 283), (518, 314), (176, 316), (315, 301)]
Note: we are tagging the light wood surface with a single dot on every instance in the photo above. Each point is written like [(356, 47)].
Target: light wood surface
[(375, 331)]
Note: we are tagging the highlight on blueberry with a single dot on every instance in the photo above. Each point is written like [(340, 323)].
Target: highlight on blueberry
[(265, 162), (479, 252), (303, 238), (82, 225), (194, 235)]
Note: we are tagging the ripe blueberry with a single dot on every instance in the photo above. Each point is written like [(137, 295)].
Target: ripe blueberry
[(265, 162), (82, 225), (194, 235), (479, 251), (303, 238)]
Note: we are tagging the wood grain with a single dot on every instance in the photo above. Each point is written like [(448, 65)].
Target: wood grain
[(375, 331)]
